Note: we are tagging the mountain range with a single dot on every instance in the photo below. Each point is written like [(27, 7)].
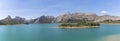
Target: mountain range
[(65, 18)]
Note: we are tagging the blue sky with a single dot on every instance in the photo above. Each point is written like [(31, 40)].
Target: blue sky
[(35, 8)]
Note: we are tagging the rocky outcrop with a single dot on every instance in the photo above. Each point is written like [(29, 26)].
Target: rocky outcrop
[(43, 19), (9, 21), (78, 16), (107, 17), (19, 19), (65, 18), (81, 17)]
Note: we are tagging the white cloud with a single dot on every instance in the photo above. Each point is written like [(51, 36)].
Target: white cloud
[(104, 12)]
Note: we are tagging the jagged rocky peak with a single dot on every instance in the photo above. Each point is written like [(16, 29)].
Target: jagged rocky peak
[(66, 17), (8, 17), (63, 17), (76, 16), (67, 14), (19, 18), (44, 19)]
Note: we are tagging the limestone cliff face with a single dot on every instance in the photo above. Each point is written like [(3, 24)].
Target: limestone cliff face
[(63, 18), (79, 16), (76, 16)]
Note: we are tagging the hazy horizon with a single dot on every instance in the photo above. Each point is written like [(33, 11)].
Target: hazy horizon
[(36, 8)]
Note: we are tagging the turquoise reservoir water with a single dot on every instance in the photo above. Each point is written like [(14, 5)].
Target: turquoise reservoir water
[(51, 32)]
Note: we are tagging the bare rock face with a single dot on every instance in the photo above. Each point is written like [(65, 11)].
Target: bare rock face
[(6, 21), (8, 18), (44, 19), (78, 16), (63, 18), (91, 16), (107, 17), (10, 21), (31, 21), (19, 19)]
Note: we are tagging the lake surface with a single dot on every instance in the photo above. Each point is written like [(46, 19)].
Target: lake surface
[(51, 32)]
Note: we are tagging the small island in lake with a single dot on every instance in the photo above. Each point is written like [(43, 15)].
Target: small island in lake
[(80, 25)]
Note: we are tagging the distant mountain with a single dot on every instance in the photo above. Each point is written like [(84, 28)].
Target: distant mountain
[(76, 17), (10, 21), (107, 17), (19, 19), (65, 18), (84, 17), (43, 19)]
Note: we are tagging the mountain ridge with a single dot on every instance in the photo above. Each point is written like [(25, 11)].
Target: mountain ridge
[(65, 18)]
